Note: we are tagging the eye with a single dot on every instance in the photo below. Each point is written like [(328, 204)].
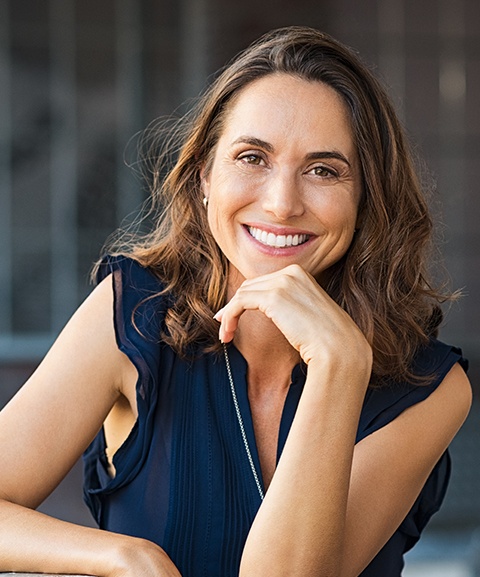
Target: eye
[(251, 158), (323, 171)]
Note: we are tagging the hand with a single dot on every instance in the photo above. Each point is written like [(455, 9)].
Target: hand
[(141, 558), (308, 318)]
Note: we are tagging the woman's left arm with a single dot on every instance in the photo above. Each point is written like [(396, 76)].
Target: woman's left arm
[(332, 505), (391, 466)]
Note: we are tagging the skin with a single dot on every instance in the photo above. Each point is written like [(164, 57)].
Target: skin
[(357, 495)]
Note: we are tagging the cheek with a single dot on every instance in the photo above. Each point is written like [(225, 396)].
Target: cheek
[(337, 214), (223, 203), (230, 192)]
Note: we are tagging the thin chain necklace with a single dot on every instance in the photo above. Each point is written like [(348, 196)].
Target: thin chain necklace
[(240, 423)]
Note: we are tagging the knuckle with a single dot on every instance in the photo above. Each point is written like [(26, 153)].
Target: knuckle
[(294, 270), (284, 282)]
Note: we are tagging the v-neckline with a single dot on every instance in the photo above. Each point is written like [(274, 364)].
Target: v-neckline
[(239, 367)]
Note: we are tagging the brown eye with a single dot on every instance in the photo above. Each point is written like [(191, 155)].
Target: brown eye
[(252, 159), (323, 172)]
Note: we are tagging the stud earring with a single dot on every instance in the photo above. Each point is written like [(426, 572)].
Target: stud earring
[(205, 201)]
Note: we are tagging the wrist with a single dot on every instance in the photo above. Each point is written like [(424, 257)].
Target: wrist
[(358, 358), (132, 556), (344, 368), (120, 554)]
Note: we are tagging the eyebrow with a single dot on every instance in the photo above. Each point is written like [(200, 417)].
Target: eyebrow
[(252, 140), (326, 154)]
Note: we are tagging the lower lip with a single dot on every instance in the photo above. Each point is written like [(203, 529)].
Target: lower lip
[(276, 251)]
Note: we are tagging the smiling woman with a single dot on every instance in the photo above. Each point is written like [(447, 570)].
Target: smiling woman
[(256, 384)]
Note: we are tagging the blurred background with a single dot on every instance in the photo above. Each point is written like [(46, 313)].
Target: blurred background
[(78, 80)]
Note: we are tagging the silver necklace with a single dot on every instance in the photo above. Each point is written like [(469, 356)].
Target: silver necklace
[(240, 423)]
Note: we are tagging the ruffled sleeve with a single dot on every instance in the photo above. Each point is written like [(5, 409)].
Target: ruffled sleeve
[(138, 316), (384, 404)]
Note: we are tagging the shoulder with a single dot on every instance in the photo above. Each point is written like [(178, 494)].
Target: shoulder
[(451, 401), (419, 435), (447, 368), (140, 304), (140, 301), (418, 423), (436, 360), (435, 410), (89, 336), (129, 274), (406, 414)]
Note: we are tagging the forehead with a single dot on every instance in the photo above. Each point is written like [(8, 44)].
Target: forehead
[(288, 107)]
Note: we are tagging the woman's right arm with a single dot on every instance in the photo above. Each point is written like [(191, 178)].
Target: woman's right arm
[(44, 430)]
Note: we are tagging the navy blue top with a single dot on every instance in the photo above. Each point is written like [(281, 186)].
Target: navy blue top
[(182, 477)]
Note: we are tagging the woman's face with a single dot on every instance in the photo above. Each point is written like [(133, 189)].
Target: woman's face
[(284, 184)]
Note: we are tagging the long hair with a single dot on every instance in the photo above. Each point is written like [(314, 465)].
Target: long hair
[(382, 281)]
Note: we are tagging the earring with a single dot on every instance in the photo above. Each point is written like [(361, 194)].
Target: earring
[(205, 201)]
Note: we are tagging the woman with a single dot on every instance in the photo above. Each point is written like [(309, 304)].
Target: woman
[(273, 397)]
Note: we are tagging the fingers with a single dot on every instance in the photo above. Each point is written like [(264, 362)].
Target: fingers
[(281, 296), (224, 335), (303, 312), (257, 296)]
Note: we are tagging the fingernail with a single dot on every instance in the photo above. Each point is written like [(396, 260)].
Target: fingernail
[(218, 314)]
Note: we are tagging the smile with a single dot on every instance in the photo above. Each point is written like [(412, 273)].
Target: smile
[(277, 241)]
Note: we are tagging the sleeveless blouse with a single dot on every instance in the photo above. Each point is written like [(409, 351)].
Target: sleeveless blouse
[(182, 478)]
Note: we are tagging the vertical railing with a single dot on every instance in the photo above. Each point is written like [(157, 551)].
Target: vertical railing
[(129, 98), (63, 165), (391, 48), (5, 175), (194, 50), (452, 169)]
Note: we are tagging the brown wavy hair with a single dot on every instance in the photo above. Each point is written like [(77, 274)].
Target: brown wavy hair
[(382, 281)]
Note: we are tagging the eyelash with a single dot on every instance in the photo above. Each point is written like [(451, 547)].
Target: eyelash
[(331, 173), (250, 155), (257, 158)]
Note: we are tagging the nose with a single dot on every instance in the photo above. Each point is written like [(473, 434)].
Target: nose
[(282, 195)]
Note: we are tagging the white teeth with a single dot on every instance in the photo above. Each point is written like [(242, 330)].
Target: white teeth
[(280, 241)]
